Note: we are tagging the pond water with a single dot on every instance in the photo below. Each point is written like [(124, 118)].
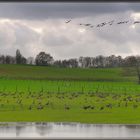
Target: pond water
[(68, 130)]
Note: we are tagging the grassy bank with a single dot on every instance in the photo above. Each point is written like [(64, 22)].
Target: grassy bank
[(122, 116), (11, 85), (70, 107), (52, 73)]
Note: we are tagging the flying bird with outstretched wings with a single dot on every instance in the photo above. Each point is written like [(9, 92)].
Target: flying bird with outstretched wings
[(136, 22), (68, 21), (123, 22), (101, 24), (110, 22), (104, 23), (87, 24)]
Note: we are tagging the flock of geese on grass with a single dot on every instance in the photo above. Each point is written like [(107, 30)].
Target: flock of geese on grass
[(36, 103), (105, 23)]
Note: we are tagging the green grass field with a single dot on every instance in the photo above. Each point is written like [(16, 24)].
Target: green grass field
[(35, 93), (53, 73)]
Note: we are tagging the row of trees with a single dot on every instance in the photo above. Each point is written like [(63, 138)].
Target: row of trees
[(99, 62), (46, 59), (18, 59)]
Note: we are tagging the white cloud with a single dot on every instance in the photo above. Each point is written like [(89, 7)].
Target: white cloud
[(63, 40)]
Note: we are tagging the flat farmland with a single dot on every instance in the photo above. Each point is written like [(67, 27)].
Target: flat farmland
[(99, 95)]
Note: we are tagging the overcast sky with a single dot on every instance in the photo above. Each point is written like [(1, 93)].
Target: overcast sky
[(35, 27)]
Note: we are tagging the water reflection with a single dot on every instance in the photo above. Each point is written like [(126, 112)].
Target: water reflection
[(19, 129), (68, 130), (44, 129)]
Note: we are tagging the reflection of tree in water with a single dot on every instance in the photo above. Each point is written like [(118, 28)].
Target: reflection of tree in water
[(43, 128), (19, 129), (6, 127), (67, 124), (85, 125), (133, 126)]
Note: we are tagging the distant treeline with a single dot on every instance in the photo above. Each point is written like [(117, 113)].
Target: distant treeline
[(45, 59)]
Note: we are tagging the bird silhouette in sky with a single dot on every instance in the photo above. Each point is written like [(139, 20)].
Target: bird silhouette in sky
[(105, 23), (110, 22), (123, 22), (101, 24), (87, 24), (68, 21), (136, 22)]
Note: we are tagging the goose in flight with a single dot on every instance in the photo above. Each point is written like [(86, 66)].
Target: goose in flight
[(110, 22), (68, 21), (87, 24), (136, 22), (101, 24), (105, 23), (122, 22)]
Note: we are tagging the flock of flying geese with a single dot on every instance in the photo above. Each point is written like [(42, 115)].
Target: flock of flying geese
[(105, 23)]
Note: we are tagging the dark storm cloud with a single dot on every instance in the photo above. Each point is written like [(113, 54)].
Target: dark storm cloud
[(61, 10), (24, 26)]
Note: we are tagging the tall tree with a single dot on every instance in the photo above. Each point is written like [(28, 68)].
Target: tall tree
[(2, 59), (73, 63), (58, 63), (8, 59), (43, 59), (18, 57)]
